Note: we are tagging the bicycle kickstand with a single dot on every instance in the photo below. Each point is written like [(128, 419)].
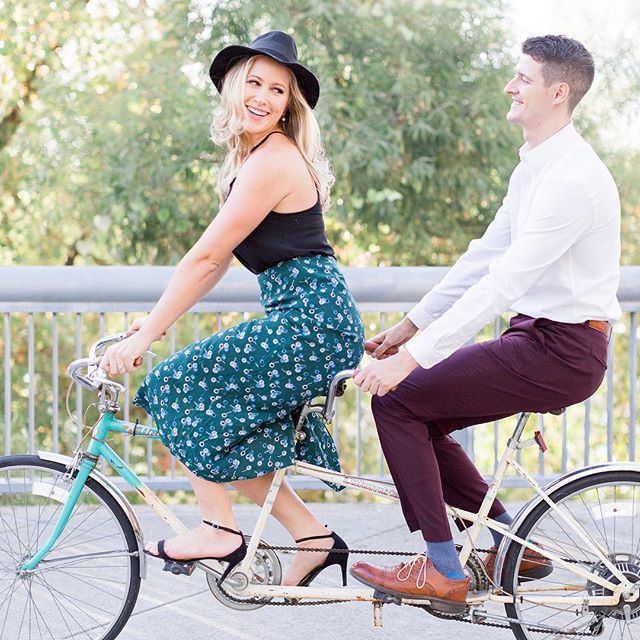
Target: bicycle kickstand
[(377, 613)]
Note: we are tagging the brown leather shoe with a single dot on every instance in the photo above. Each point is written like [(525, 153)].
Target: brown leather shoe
[(532, 567), (417, 579)]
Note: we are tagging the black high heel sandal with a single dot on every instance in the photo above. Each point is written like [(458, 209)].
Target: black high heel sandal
[(333, 558), (187, 566)]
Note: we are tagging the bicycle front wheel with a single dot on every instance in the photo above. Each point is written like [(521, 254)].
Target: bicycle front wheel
[(87, 586), (606, 506)]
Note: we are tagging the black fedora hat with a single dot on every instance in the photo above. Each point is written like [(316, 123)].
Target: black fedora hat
[(278, 46)]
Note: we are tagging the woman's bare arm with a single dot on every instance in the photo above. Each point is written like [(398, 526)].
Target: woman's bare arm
[(261, 184)]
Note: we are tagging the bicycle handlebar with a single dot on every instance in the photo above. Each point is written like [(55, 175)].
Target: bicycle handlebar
[(103, 342), (94, 377), (333, 391)]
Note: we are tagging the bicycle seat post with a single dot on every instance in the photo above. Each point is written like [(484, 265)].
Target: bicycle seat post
[(518, 430), (513, 444)]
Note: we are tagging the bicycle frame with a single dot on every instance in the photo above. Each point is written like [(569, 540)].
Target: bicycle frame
[(479, 522), (86, 461)]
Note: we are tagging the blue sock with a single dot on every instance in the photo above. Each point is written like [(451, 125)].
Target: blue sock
[(445, 559), (505, 518)]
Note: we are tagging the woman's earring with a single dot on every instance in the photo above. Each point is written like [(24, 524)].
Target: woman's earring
[(283, 119)]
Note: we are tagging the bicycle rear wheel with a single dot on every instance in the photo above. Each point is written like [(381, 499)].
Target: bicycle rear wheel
[(607, 506), (87, 586)]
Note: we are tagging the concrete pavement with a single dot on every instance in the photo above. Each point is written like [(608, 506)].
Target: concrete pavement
[(182, 608)]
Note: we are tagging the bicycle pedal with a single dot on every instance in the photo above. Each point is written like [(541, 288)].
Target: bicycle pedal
[(179, 568), (386, 598)]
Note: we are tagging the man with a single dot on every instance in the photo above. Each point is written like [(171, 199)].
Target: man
[(551, 255)]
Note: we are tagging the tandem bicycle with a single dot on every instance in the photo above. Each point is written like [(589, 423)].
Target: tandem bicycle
[(71, 544)]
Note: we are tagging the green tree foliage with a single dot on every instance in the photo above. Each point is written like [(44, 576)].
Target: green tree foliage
[(104, 150), (105, 159)]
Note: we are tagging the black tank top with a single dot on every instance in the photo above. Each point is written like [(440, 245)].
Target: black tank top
[(283, 236)]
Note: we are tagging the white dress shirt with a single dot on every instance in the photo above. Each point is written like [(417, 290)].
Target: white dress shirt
[(552, 251)]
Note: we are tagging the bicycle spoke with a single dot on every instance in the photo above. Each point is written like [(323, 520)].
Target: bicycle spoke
[(23, 615), (15, 531), (637, 548), (74, 603), (37, 524), (6, 615), (86, 586), (67, 610), (94, 586), (556, 633), (7, 567), (62, 616), (589, 511), (579, 545), (601, 508), (602, 518), (69, 541), (38, 613), (77, 530), (7, 548), (85, 542), (26, 525), (24, 473)]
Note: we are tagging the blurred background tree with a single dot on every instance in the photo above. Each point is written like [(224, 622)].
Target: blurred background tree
[(105, 108)]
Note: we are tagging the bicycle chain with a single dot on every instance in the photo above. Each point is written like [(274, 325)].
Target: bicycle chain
[(498, 625), (310, 603), (457, 617)]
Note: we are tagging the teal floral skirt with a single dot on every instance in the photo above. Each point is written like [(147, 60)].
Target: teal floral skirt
[(223, 405)]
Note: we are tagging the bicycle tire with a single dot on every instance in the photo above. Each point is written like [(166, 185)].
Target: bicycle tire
[(88, 584), (607, 504)]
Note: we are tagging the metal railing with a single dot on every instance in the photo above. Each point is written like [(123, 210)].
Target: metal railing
[(52, 314)]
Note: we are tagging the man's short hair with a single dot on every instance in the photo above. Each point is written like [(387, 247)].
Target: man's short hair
[(563, 60)]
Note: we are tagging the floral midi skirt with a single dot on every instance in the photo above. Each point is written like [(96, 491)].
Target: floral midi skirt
[(223, 404)]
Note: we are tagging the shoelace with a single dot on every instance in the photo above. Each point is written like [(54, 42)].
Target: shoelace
[(408, 566)]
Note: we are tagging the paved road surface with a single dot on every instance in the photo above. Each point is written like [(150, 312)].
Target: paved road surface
[(182, 608)]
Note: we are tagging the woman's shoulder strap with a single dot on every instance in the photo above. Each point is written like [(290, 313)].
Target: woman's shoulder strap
[(265, 139)]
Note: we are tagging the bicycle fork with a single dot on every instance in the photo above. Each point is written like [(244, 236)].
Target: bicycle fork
[(87, 465), (81, 468)]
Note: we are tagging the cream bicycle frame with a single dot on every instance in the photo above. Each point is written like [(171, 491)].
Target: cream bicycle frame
[(479, 522), (242, 574)]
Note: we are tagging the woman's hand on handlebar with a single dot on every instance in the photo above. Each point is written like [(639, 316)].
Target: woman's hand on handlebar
[(386, 344), (136, 325), (124, 356)]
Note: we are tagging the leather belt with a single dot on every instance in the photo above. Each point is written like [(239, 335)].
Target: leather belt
[(599, 325)]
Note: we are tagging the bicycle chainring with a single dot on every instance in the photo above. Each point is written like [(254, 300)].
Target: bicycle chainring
[(266, 570)]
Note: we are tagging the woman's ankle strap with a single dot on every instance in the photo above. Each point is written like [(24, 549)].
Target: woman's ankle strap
[(329, 535), (219, 526)]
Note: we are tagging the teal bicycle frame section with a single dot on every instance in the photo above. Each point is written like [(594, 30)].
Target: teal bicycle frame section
[(98, 448)]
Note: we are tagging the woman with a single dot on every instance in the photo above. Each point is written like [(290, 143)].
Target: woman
[(223, 405)]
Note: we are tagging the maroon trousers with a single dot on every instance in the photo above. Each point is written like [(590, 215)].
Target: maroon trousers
[(536, 365)]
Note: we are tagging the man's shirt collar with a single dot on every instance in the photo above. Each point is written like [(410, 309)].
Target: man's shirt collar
[(537, 157)]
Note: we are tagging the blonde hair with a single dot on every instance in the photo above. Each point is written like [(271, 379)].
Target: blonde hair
[(300, 126)]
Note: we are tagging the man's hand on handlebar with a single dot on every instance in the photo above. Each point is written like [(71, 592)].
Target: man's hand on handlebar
[(379, 378)]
